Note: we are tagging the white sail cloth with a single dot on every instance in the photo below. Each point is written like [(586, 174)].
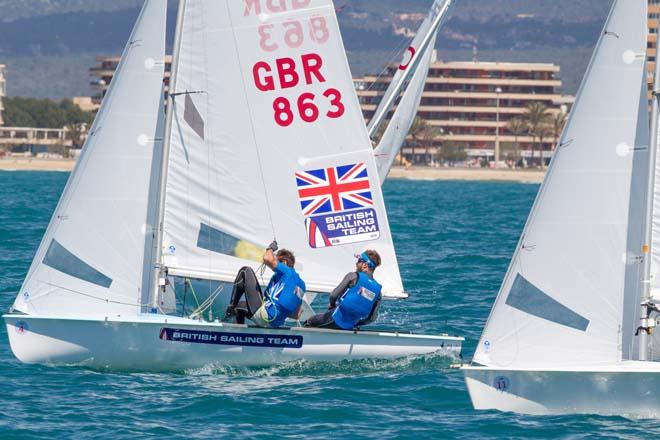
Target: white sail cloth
[(576, 267), (415, 46), (404, 115), (655, 228), (90, 260), (267, 130)]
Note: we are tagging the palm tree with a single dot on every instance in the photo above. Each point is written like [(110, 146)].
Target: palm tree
[(419, 126), (516, 127), (537, 116), (557, 125), (545, 130), (429, 136)]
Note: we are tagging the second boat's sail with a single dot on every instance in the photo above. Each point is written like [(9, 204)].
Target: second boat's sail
[(268, 141), (572, 289)]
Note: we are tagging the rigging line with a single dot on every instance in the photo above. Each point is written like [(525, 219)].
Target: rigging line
[(254, 135), (105, 300)]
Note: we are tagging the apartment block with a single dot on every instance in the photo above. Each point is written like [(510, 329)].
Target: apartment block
[(104, 70), (471, 102)]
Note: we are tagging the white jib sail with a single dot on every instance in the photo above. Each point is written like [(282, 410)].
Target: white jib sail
[(404, 115), (90, 260), (424, 28), (268, 141), (576, 267)]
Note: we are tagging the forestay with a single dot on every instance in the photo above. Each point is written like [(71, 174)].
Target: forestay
[(571, 291), (268, 141), (90, 260)]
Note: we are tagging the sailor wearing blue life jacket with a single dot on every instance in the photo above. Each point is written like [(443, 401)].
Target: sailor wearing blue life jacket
[(355, 301), (283, 296)]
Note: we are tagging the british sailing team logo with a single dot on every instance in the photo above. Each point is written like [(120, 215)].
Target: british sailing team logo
[(337, 204), (21, 327), (501, 383)]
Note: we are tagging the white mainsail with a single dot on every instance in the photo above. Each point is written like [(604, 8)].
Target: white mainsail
[(404, 115), (90, 260), (268, 141), (439, 7), (572, 290)]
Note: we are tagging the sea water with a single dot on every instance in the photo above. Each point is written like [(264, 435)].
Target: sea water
[(453, 240)]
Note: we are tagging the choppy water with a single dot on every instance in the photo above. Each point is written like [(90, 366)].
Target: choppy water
[(454, 240)]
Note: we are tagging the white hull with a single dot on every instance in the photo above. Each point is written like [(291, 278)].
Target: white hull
[(162, 343), (626, 389)]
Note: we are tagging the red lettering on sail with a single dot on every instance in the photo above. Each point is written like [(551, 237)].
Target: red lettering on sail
[(249, 4), (286, 69), (289, 73), (312, 64), (276, 6), (264, 82), (272, 6)]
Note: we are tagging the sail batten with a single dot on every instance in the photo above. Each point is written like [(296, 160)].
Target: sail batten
[(272, 144), (581, 245)]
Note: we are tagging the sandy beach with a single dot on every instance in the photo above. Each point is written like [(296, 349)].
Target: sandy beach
[(35, 164), (486, 174), (413, 173)]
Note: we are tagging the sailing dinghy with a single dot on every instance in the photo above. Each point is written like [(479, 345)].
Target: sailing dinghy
[(567, 333), (263, 138)]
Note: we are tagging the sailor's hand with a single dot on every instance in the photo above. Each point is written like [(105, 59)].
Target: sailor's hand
[(272, 246)]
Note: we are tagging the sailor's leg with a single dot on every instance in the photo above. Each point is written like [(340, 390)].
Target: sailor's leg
[(253, 295), (322, 320), (245, 284)]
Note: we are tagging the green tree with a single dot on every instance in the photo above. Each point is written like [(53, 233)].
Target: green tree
[(419, 126), (516, 127), (557, 125), (452, 152), (43, 113), (537, 117)]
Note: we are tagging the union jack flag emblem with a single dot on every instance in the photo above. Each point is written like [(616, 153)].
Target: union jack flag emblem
[(334, 189)]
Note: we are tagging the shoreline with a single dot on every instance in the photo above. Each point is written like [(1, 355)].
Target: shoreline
[(474, 174), (412, 173), (36, 164)]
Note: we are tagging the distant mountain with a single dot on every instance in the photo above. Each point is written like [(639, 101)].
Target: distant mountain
[(66, 35), (14, 9)]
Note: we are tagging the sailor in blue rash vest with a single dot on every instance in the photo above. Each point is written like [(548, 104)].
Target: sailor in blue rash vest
[(355, 301), (283, 296)]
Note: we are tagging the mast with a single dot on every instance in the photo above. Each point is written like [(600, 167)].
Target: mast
[(384, 109), (648, 223), (158, 267)]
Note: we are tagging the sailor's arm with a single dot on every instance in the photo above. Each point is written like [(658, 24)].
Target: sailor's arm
[(349, 281), (269, 259)]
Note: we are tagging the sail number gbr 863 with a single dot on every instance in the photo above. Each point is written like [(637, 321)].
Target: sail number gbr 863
[(288, 72)]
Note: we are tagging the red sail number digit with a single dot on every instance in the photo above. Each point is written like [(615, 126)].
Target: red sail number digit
[(335, 99)]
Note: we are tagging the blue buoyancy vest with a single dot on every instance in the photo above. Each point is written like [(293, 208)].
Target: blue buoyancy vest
[(284, 294), (357, 302)]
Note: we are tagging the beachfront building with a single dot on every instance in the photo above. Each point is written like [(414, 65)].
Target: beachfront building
[(471, 104), (105, 68), (2, 90), (652, 45)]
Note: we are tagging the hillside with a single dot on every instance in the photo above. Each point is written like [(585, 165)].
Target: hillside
[(48, 45)]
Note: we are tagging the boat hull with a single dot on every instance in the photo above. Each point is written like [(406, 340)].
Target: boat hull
[(160, 343), (626, 389)]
